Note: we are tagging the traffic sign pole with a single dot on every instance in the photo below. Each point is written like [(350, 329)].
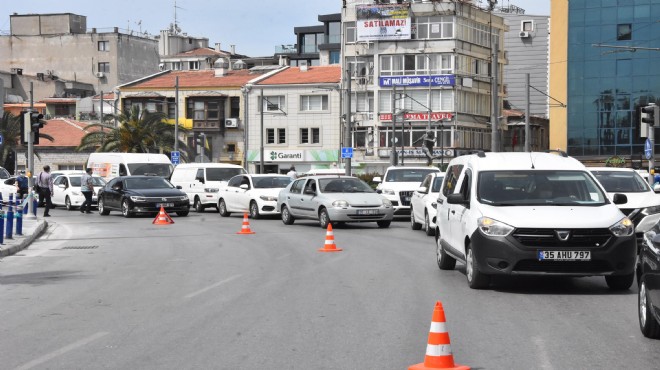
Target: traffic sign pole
[(651, 142)]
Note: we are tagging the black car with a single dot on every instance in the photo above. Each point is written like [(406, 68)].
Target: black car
[(142, 194), (648, 279)]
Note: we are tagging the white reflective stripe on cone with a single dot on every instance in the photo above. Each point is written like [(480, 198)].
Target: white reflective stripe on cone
[(438, 327), (441, 350)]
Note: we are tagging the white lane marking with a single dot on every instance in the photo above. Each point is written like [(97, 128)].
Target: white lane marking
[(212, 286), (62, 351), (544, 359)]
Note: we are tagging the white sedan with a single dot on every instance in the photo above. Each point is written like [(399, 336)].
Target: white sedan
[(423, 203), (256, 194), (66, 190)]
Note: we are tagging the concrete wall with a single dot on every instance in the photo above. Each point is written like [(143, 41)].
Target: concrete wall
[(47, 24)]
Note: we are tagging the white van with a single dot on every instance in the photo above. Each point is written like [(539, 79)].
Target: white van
[(202, 181), (111, 165)]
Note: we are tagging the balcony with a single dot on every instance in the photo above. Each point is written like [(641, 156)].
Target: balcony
[(212, 126), (286, 49)]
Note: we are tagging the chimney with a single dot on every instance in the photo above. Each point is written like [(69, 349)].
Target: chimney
[(233, 49), (303, 66), (217, 46)]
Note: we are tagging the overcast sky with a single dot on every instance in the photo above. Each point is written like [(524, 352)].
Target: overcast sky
[(254, 26)]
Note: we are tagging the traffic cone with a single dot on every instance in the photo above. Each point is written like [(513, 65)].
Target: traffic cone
[(163, 218), (330, 241), (438, 349), (245, 229)]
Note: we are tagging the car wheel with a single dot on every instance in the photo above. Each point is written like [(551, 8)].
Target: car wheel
[(222, 208), (427, 225), (254, 210), (476, 279), (647, 322), (445, 261), (383, 224), (67, 203), (414, 225), (125, 209), (287, 217), (102, 210), (199, 208), (324, 218), (620, 282), (182, 213)]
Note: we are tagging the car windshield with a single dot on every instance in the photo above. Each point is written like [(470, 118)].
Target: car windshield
[(271, 182), (4, 174), (344, 185), (538, 187), (147, 183), (407, 175), (621, 181), (437, 183), (154, 169), (222, 174)]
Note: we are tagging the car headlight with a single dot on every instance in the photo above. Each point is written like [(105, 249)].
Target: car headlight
[(211, 190), (183, 197), (625, 227), (650, 210), (387, 202), (492, 227), (389, 192), (268, 198), (340, 204), (138, 199)]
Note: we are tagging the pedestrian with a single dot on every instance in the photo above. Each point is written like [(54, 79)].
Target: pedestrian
[(22, 187), (292, 173), (87, 190), (45, 184)]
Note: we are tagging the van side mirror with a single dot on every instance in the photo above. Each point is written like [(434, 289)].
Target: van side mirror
[(422, 189), (619, 199), (457, 199), (377, 179), (200, 179)]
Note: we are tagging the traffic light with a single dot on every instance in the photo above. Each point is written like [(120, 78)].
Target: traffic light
[(650, 116), (32, 122)]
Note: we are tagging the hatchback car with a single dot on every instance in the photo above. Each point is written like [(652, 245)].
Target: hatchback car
[(256, 194), (424, 202), (333, 199), (142, 194), (648, 279), (66, 190)]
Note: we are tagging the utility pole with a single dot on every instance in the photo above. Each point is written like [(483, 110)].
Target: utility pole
[(393, 157), (527, 128), (261, 136), (176, 114), (101, 106), (348, 121), (30, 173), (495, 139)]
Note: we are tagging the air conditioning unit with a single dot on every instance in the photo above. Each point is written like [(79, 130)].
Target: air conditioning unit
[(231, 122), (523, 34), (100, 74)]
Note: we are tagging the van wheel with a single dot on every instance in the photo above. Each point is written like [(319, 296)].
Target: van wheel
[(199, 208), (414, 225), (67, 204), (287, 217), (222, 208), (476, 279), (620, 282), (254, 210), (445, 261)]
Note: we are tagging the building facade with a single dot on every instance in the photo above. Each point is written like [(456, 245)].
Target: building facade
[(318, 45)]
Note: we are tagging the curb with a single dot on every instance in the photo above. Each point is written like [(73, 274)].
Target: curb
[(26, 241)]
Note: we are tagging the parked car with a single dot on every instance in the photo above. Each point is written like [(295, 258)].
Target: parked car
[(203, 181), (256, 194), (141, 194), (424, 201), (531, 214), (399, 184), (648, 280), (8, 186), (66, 190), (333, 199), (643, 205)]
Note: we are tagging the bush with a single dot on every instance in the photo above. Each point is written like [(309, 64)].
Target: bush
[(369, 178)]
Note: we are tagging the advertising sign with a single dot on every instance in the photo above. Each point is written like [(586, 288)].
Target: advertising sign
[(383, 22), (435, 116), (436, 80)]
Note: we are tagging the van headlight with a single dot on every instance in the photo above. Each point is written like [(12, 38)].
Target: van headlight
[(211, 190), (138, 199), (340, 204), (625, 227), (268, 198), (492, 227)]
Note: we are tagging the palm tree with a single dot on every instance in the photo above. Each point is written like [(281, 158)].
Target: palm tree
[(139, 131), (10, 129)]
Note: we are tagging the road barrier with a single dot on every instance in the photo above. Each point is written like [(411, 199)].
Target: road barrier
[(245, 229), (10, 219), (329, 245)]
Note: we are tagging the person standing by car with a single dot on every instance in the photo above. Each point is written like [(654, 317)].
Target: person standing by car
[(87, 189), (292, 173), (45, 184), (22, 185)]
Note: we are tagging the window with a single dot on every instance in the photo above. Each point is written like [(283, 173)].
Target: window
[(351, 33), (70, 167), (210, 110), (310, 135), (281, 136), (273, 104), (335, 57), (441, 27), (235, 103), (198, 110), (272, 139), (104, 67), (624, 31), (362, 101), (527, 26), (231, 148), (193, 65), (416, 64), (176, 66), (314, 103), (104, 45), (416, 100), (270, 136)]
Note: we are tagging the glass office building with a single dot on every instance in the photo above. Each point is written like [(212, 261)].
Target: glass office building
[(608, 78)]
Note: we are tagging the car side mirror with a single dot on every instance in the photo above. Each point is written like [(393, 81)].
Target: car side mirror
[(244, 186), (656, 240), (310, 191), (457, 199), (377, 179), (179, 187), (619, 199), (379, 191), (422, 189)]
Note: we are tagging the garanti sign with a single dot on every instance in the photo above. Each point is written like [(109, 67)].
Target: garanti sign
[(383, 22)]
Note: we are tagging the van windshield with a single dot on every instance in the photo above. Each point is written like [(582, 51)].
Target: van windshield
[(154, 169), (408, 174), (621, 181), (222, 174), (538, 187)]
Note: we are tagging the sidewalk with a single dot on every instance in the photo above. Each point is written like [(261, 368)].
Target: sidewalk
[(32, 229)]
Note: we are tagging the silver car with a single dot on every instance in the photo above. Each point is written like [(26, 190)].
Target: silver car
[(333, 199)]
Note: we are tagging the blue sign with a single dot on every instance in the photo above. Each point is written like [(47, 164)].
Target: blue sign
[(346, 152), (2, 139), (648, 149), (436, 80), (175, 156)]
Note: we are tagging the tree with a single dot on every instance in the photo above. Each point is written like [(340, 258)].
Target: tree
[(139, 131), (10, 129)]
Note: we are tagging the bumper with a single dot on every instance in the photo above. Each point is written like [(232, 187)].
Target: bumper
[(350, 214), (268, 207), (208, 199), (505, 256), (152, 208)]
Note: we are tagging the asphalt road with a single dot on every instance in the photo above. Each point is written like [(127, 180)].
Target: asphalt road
[(101, 292)]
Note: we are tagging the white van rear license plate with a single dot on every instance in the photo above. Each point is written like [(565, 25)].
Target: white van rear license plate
[(564, 255), (165, 205)]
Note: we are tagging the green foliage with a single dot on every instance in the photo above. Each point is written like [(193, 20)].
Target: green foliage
[(369, 178)]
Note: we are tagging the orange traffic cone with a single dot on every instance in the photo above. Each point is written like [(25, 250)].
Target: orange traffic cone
[(438, 349), (330, 242), (163, 218), (245, 229)]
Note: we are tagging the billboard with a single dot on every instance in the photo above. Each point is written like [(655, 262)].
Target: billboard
[(433, 80), (383, 22)]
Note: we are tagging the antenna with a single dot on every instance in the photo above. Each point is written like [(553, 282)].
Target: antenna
[(176, 24)]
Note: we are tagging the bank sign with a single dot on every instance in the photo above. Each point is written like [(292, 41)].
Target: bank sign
[(436, 80), (383, 22), (284, 155)]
